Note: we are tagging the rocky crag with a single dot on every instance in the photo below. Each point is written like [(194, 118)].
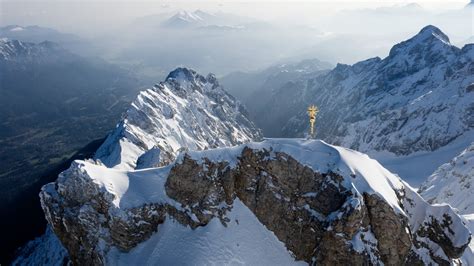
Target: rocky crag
[(328, 205)]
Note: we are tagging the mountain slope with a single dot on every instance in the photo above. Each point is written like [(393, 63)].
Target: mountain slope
[(420, 98), (401, 103), (186, 111), (326, 204), (452, 183)]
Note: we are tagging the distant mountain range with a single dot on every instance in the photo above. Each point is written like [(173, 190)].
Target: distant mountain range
[(38, 34), (196, 19)]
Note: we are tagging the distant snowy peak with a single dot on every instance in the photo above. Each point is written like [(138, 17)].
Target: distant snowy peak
[(430, 38), (199, 19), (14, 50), (186, 111), (184, 18), (453, 183), (187, 16)]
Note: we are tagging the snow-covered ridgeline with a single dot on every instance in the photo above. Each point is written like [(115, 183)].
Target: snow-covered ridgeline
[(186, 111), (128, 190), (452, 183)]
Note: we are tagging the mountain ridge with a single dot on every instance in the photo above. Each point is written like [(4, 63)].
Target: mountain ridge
[(343, 200), (186, 111)]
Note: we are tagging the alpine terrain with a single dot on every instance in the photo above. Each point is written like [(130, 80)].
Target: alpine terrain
[(185, 175), (417, 100), (452, 183), (185, 112), (276, 202)]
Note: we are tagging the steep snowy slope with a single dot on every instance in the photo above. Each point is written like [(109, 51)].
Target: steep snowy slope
[(245, 204), (186, 111), (453, 183), (399, 109), (419, 98)]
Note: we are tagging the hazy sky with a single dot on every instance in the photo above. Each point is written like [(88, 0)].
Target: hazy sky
[(334, 31), (89, 17)]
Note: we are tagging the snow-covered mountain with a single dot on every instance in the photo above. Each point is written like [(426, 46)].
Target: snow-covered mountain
[(186, 111), (276, 202), (420, 98), (204, 20), (28, 53), (184, 19), (452, 183)]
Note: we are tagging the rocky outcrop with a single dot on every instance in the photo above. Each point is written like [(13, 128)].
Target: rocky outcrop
[(320, 204), (186, 111)]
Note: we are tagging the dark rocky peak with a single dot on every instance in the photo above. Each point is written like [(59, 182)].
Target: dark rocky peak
[(182, 73), (428, 39), (188, 78), (366, 64), (340, 72), (468, 50)]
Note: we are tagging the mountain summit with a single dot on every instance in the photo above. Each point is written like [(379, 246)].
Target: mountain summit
[(398, 104), (186, 111), (280, 201)]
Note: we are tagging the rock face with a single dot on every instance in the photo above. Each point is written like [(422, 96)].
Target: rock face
[(452, 183), (327, 204), (419, 98), (186, 111)]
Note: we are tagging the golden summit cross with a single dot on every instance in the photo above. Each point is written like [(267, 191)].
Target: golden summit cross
[(312, 112)]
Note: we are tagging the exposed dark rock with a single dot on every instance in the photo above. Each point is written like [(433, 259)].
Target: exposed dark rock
[(314, 214)]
